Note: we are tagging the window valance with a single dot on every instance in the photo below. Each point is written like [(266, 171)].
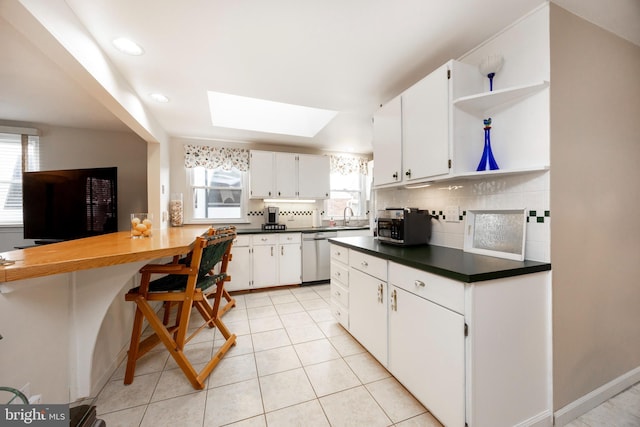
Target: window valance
[(214, 157), (346, 165)]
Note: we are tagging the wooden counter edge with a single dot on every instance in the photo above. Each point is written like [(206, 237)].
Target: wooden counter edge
[(179, 243)]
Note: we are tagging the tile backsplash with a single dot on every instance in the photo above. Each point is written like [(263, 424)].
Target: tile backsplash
[(528, 191)]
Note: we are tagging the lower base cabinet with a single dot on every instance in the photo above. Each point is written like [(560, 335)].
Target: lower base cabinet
[(426, 353), (368, 313), (474, 354), (265, 260)]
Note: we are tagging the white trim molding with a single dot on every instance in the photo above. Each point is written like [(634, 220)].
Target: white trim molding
[(598, 396)]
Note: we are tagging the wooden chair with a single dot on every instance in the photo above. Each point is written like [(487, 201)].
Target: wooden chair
[(185, 282), (218, 269)]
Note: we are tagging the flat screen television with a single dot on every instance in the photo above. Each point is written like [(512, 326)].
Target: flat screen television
[(69, 204)]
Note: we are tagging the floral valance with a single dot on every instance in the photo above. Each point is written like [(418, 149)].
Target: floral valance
[(214, 157), (346, 165)]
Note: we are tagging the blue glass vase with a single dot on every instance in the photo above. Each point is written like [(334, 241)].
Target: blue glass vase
[(487, 161)]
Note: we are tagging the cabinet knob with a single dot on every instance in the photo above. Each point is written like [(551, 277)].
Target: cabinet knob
[(395, 175), (337, 293), (337, 274), (419, 283), (408, 173), (364, 264)]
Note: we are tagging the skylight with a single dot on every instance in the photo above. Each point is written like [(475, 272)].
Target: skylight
[(240, 112)]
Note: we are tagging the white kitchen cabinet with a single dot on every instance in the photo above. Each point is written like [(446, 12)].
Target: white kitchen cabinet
[(426, 353), (441, 134), (276, 175), (340, 284), (467, 351), (265, 260), (368, 312), (286, 175), (289, 259), (478, 347), (387, 143), (425, 126), (313, 176), (262, 170), (239, 268)]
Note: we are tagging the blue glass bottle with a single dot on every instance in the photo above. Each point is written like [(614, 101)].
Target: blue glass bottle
[(487, 161)]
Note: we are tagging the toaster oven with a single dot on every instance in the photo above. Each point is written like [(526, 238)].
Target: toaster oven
[(404, 226)]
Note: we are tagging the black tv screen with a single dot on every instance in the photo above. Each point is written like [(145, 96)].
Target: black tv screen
[(69, 204)]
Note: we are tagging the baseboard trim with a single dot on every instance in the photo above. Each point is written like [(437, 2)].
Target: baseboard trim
[(543, 419), (598, 396)]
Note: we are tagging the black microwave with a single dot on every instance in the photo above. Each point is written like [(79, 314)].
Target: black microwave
[(404, 226)]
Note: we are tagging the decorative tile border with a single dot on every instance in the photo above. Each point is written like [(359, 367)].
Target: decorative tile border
[(287, 213), (532, 216)]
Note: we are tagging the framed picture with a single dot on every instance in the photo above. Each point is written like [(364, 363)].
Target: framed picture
[(498, 233)]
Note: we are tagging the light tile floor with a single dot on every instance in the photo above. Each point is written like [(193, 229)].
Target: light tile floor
[(293, 365)]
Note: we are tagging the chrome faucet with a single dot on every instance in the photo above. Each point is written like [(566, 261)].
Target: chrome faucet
[(345, 215)]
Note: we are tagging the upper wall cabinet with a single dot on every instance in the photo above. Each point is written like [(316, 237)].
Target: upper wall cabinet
[(438, 124), (277, 175), (412, 133), (387, 140), (313, 176)]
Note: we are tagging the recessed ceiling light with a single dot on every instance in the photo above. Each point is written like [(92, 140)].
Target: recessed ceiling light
[(241, 112), (158, 97), (127, 46)]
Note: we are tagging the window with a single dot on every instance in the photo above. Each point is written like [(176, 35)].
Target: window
[(18, 153), (347, 190), (217, 194)]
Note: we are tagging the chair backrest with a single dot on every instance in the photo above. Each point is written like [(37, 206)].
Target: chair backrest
[(216, 246)]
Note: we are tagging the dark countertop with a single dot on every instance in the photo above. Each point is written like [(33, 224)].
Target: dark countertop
[(448, 262), (301, 229)]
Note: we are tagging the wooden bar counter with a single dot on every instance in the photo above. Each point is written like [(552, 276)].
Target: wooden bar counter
[(99, 251), (64, 322)]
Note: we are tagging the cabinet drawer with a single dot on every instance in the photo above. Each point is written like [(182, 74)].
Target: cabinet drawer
[(340, 273), (242, 240), (285, 238), (446, 292), (264, 239), (340, 313), (339, 253), (339, 294), (376, 267)]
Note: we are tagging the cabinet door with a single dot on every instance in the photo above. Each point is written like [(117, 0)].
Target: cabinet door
[(290, 264), (368, 313), (265, 266), (425, 127), (387, 143), (313, 176), (262, 174), (286, 175), (426, 354), (239, 269)]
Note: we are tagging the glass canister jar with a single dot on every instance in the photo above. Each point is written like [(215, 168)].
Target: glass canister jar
[(176, 210)]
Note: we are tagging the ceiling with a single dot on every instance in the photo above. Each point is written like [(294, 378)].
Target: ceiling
[(349, 56)]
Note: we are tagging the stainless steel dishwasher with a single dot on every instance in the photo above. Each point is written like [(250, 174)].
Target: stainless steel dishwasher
[(316, 264)]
